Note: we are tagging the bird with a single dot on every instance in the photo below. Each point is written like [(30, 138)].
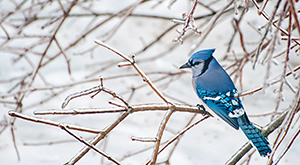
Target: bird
[(216, 89)]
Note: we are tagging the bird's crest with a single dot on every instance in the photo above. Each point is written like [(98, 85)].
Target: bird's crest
[(202, 54)]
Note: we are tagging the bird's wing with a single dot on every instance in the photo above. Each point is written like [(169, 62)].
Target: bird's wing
[(222, 112), (226, 106)]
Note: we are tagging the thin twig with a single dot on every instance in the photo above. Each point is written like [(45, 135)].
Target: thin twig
[(258, 50), (159, 135), (132, 61), (63, 127), (134, 108), (51, 40), (97, 139), (52, 123), (283, 79), (287, 147), (96, 90), (270, 83), (179, 134), (211, 25), (286, 124), (189, 23)]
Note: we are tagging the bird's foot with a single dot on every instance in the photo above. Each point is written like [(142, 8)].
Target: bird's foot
[(201, 107)]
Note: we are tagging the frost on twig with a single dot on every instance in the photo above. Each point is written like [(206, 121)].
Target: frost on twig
[(188, 22), (95, 90)]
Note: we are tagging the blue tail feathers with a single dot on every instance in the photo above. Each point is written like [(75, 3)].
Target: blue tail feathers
[(252, 133)]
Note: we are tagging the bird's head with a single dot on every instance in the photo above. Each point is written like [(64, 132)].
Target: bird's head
[(199, 61)]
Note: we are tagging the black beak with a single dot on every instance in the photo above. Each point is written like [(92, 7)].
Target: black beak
[(186, 65)]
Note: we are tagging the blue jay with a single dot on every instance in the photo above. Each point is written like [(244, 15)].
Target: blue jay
[(216, 89)]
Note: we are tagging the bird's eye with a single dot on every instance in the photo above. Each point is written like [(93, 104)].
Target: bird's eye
[(197, 63)]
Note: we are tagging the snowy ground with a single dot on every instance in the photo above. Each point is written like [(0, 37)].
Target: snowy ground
[(210, 142)]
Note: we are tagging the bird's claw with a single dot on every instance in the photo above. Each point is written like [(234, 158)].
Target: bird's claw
[(201, 107)]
